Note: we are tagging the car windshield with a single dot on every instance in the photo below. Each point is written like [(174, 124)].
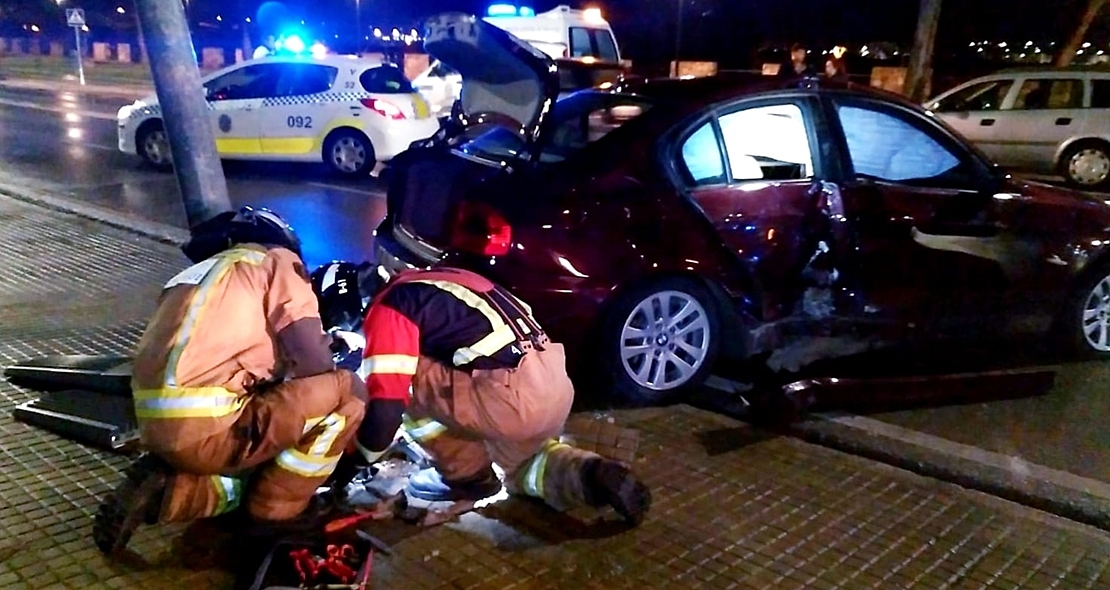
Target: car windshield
[(576, 122)]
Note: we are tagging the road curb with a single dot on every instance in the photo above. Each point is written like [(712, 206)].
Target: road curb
[(1058, 492), (160, 232)]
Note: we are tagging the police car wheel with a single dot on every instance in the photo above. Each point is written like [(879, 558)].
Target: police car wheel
[(349, 152), (154, 145), (660, 341)]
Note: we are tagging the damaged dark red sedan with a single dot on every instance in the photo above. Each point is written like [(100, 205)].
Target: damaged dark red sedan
[(658, 225)]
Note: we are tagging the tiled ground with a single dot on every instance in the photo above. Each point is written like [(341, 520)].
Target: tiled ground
[(733, 508)]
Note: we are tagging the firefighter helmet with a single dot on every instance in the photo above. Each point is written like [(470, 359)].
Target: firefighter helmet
[(344, 291), (246, 226)]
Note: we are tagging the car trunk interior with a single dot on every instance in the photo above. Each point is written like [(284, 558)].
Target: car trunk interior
[(424, 194)]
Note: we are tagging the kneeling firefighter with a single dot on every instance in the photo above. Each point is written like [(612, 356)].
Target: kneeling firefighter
[(475, 381), (234, 377)]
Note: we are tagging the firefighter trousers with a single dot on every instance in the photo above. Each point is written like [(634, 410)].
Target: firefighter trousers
[(468, 420), (282, 447)]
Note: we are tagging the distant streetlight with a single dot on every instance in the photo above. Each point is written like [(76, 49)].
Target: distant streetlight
[(34, 28), (219, 18), (120, 10), (377, 32), (358, 21)]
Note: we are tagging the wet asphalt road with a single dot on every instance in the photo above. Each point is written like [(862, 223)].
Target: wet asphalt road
[(64, 144)]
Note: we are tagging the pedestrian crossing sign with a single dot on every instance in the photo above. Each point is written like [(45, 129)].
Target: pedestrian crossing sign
[(75, 17)]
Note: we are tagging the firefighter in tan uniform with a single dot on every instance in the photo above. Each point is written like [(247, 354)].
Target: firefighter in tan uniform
[(234, 376), (474, 379)]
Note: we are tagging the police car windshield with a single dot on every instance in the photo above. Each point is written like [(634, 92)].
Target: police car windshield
[(576, 122)]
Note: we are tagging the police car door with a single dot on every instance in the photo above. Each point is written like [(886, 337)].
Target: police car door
[(234, 100), (299, 109)]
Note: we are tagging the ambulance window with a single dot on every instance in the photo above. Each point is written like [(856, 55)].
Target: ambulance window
[(606, 47), (580, 45)]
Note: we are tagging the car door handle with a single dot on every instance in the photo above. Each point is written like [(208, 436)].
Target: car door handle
[(986, 122), (1063, 121)]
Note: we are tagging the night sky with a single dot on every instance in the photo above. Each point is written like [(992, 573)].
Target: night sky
[(714, 29)]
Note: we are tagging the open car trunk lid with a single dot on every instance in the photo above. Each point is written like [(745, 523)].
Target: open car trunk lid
[(504, 79)]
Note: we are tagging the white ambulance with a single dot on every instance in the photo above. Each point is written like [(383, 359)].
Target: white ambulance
[(563, 33)]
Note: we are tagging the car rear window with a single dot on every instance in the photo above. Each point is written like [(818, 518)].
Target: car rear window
[(385, 80), (576, 122)]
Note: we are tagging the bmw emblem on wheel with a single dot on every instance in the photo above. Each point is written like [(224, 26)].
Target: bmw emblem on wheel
[(225, 123)]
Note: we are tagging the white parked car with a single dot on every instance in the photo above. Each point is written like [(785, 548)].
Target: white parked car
[(1052, 121), (345, 111)]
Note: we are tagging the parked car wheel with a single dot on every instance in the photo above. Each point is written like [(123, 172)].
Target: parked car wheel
[(1085, 325), (349, 152), (1087, 164), (660, 341), (154, 145)]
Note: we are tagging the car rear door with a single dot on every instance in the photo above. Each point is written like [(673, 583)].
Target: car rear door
[(299, 111), (1044, 113), (754, 171), (933, 242)]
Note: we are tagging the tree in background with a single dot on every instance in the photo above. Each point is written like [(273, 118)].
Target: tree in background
[(919, 75), (1068, 51)]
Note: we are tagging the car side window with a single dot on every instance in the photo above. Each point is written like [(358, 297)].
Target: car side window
[(887, 147), (701, 157), (1059, 93), (257, 81), (767, 143), (300, 79), (985, 96), (1100, 94)]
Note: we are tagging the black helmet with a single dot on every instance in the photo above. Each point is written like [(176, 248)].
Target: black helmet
[(248, 226), (344, 290)]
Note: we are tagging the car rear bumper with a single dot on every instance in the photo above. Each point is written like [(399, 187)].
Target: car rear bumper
[(397, 136)]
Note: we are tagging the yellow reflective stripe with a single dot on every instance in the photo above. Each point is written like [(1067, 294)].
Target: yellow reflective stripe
[(533, 478), (288, 145), (226, 259), (422, 430), (315, 462), (238, 145), (230, 491), (388, 364), (420, 107), (470, 298), (493, 342), (186, 402)]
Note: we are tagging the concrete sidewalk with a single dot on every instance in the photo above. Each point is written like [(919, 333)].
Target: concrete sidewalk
[(734, 507)]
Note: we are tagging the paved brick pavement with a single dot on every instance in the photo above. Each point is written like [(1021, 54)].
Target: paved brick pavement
[(734, 508)]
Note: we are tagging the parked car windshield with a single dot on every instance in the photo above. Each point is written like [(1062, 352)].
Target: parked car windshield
[(576, 121)]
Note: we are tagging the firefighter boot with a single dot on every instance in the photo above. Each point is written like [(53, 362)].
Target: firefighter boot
[(136, 500), (608, 483), (429, 485)]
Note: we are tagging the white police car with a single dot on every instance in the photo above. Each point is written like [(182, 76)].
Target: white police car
[(345, 111)]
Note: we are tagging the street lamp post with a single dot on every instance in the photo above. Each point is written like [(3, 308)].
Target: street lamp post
[(358, 26)]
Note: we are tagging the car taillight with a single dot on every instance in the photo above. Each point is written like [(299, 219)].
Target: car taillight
[(480, 229), (384, 108)]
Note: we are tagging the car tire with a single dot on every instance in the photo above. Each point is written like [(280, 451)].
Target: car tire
[(1086, 165), (153, 146), (1084, 327), (348, 152), (659, 341)]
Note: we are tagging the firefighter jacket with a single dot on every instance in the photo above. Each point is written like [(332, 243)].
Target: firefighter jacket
[(453, 316), (224, 328)]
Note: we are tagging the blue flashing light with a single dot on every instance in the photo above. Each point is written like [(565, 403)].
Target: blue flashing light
[(501, 10), (526, 11), (293, 44)]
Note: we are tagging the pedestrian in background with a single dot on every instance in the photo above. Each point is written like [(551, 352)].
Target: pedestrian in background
[(835, 69), (798, 66)]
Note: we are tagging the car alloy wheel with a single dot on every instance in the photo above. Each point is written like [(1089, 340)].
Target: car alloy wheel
[(156, 147), (1096, 317), (348, 154), (665, 340), (1089, 166)]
